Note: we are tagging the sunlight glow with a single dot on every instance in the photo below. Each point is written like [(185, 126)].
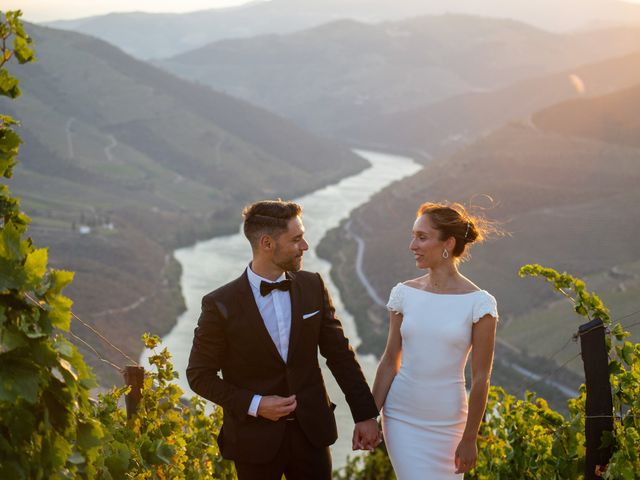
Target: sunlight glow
[(578, 84)]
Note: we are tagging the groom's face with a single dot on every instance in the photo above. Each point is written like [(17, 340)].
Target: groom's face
[(290, 246)]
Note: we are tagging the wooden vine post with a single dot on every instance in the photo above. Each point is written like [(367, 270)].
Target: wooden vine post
[(599, 403), (133, 377)]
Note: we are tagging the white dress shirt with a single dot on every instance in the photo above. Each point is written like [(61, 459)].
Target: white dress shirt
[(275, 310)]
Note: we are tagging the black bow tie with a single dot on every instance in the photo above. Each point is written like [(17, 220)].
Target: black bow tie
[(267, 287)]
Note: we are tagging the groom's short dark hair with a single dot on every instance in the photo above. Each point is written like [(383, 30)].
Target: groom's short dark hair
[(268, 217)]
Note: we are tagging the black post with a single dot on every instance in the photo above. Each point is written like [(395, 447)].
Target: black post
[(599, 404), (134, 377)]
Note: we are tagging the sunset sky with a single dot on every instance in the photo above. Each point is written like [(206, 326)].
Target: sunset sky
[(46, 10)]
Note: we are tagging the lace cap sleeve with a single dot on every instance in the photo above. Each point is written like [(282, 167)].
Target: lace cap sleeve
[(395, 299), (486, 304)]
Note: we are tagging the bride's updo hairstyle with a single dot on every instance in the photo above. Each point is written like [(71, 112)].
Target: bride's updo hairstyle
[(453, 220)]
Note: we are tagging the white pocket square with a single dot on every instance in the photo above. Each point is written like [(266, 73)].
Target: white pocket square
[(307, 315)]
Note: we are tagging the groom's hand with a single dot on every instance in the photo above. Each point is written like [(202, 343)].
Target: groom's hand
[(274, 407), (366, 435)]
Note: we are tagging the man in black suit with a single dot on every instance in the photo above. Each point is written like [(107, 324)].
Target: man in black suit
[(263, 331)]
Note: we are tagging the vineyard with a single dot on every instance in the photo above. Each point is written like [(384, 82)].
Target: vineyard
[(51, 427)]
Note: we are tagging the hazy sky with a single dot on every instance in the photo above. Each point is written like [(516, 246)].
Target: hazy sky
[(45, 10)]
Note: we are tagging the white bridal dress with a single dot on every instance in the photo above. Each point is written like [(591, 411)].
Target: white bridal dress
[(425, 412)]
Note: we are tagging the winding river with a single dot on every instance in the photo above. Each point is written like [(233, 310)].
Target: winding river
[(212, 263)]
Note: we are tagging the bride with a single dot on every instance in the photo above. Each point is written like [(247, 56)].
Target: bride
[(436, 319)]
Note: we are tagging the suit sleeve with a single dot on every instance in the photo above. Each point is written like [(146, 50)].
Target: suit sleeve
[(206, 360), (341, 360)]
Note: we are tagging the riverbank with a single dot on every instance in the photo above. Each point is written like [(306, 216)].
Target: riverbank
[(340, 249)]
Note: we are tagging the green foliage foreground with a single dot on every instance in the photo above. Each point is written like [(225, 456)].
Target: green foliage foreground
[(50, 428)]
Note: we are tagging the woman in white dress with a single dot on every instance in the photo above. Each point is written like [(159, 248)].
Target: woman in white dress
[(429, 427)]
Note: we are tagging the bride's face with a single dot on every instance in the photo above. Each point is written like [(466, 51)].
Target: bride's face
[(426, 245)]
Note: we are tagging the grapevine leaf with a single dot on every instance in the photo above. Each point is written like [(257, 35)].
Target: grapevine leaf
[(118, 462), (8, 84), (90, 434), (19, 380), (60, 314)]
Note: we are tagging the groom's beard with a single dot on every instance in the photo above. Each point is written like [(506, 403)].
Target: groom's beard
[(290, 264)]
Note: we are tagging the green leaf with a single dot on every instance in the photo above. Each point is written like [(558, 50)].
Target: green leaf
[(12, 277), (11, 245), (90, 434), (63, 347), (36, 266), (8, 84), (580, 310), (615, 367), (626, 471), (21, 423), (118, 462), (58, 279), (21, 48), (10, 339), (165, 452), (9, 140), (151, 341), (43, 354), (627, 353), (6, 120), (619, 332), (19, 380), (60, 313)]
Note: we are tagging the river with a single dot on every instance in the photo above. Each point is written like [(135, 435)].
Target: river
[(212, 263)]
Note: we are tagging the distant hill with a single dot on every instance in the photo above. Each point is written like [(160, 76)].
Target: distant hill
[(611, 118), (166, 130), (331, 76), (568, 202), (123, 161), (444, 127), (146, 35)]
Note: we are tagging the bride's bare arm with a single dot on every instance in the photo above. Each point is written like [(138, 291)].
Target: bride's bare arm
[(390, 361), (482, 342)]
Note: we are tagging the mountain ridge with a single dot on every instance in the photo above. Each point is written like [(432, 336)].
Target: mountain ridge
[(445, 126), (144, 35), (334, 75)]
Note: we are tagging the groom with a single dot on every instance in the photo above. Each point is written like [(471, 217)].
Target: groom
[(262, 331)]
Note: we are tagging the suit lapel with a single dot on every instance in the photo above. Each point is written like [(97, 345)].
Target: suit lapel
[(250, 312), (296, 314)]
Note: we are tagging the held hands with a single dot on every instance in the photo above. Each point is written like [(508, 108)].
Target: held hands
[(273, 407), (366, 435), (466, 455)]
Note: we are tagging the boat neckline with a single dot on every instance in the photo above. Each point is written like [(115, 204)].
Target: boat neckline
[(442, 294)]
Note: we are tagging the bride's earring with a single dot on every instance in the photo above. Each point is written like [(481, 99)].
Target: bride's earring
[(445, 254)]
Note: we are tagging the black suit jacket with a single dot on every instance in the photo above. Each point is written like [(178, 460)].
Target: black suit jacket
[(231, 338)]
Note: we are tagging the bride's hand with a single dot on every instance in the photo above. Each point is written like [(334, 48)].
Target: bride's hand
[(466, 455)]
